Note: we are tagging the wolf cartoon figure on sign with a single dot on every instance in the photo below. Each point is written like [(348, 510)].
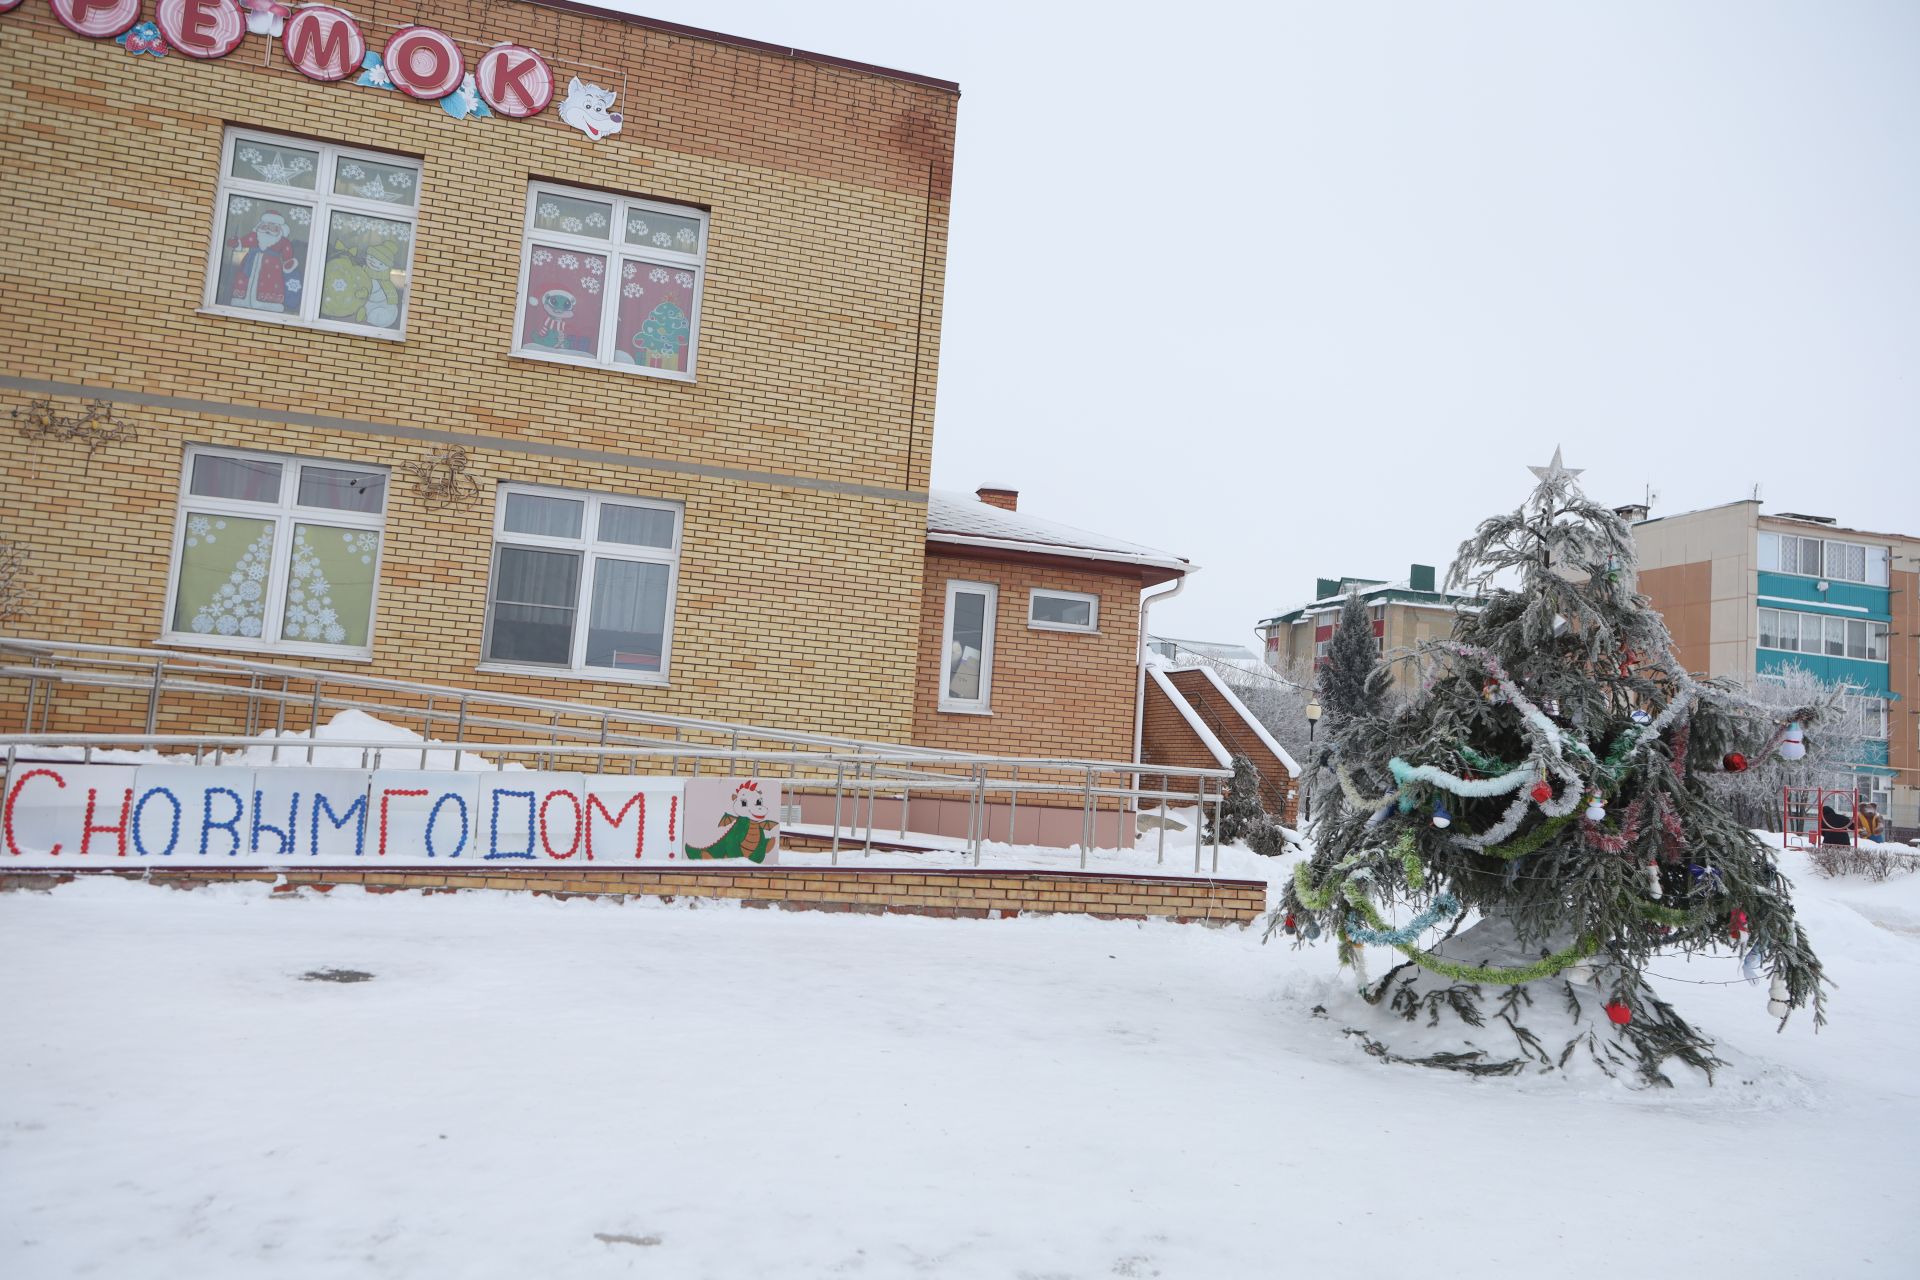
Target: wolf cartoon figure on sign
[(589, 108), (748, 828)]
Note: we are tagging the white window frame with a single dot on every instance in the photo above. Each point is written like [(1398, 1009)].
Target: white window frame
[(592, 552), (983, 705), (324, 202), (616, 252), (1876, 559), (284, 513), (1093, 611), (1875, 630)]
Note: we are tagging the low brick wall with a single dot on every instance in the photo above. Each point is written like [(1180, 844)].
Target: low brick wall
[(980, 894)]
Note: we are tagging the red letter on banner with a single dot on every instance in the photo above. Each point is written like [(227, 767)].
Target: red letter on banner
[(324, 43), (13, 798), (119, 831), (201, 28), (579, 823), (515, 80), (615, 819), (423, 62), (97, 18)]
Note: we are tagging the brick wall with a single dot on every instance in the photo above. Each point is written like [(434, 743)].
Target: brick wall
[(818, 352), (1166, 738), (956, 893), (1054, 693), (1279, 791)]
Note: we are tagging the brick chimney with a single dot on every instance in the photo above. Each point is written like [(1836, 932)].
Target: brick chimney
[(996, 496)]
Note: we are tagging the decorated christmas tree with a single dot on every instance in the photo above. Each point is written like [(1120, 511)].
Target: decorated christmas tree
[(1541, 818)]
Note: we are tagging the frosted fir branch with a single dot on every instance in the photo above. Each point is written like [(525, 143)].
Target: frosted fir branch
[(1411, 774)]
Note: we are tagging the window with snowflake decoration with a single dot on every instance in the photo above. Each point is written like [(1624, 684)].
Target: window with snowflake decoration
[(582, 583), (611, 281), (276, 553), (313, 234)]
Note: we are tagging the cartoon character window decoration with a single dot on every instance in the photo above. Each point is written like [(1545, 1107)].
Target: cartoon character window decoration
[(612, 281), (314, 234)]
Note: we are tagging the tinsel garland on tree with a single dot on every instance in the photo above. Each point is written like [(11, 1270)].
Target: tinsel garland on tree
[(1548, 781)]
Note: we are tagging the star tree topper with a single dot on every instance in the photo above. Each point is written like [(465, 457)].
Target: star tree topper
[(1556, 469)]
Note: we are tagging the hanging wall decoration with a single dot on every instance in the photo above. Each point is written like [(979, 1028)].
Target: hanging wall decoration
[(96, 19), (589, 108), (424, 62), (444, 478), (267, 17), (373, 73), (465, 101), (326, 43), (202, 28), (13, 576), (94, 426), (323, 43), (143, 37)]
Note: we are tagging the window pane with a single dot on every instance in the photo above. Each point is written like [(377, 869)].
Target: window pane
[(1877, 566), (563, 300), (548, 517), (225, 565), (339, 490), (663, 231), (1770, 551), (655, 322), (573, 216), (330, 585), (636, 526), (626, 629), (965, 656), (263, 253), (1877, 641), (242, 479), (371, 180), (1856, 638), (1836, 637), (1855, 567), (1810, 557), (1770, 629), (534, 597), (366, 269), (270, 162), (1062, 611)]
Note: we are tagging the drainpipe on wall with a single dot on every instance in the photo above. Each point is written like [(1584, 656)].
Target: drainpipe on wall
[(1140, 677)]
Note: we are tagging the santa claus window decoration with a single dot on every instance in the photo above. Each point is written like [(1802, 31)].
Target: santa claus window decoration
[(314, 234), (276, 553), (612, 281)]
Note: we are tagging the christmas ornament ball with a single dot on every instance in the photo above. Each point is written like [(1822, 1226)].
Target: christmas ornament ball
[(1619, 1013), (1734, 763), (1541, 793)]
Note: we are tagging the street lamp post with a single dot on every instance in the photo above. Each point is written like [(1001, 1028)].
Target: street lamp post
[(1313, 720)]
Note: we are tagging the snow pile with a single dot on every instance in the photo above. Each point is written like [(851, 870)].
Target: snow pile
[(346, 726), (528, 1087)]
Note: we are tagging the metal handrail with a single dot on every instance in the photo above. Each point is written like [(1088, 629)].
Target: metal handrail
[(880, 769)]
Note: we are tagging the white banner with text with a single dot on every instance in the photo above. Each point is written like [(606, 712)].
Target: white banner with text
[(73, 816)]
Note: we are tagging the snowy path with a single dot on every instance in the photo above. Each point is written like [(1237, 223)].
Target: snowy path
[(730, 1093)]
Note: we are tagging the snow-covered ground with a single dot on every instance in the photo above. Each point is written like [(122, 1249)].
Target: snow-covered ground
[(527, 1087)]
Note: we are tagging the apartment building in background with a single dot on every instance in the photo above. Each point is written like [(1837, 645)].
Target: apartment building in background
[(1747, 594), (1405, 614)]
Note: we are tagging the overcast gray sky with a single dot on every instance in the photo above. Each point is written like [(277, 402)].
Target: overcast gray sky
[(1301, 289)]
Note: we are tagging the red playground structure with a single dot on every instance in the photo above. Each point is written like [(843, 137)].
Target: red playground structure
[(1812, 816)]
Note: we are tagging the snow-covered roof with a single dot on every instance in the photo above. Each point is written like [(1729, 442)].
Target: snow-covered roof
[(1399, 593), (961, 519)]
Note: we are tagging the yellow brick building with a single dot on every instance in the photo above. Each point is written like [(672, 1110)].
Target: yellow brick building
[(705, 496)]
